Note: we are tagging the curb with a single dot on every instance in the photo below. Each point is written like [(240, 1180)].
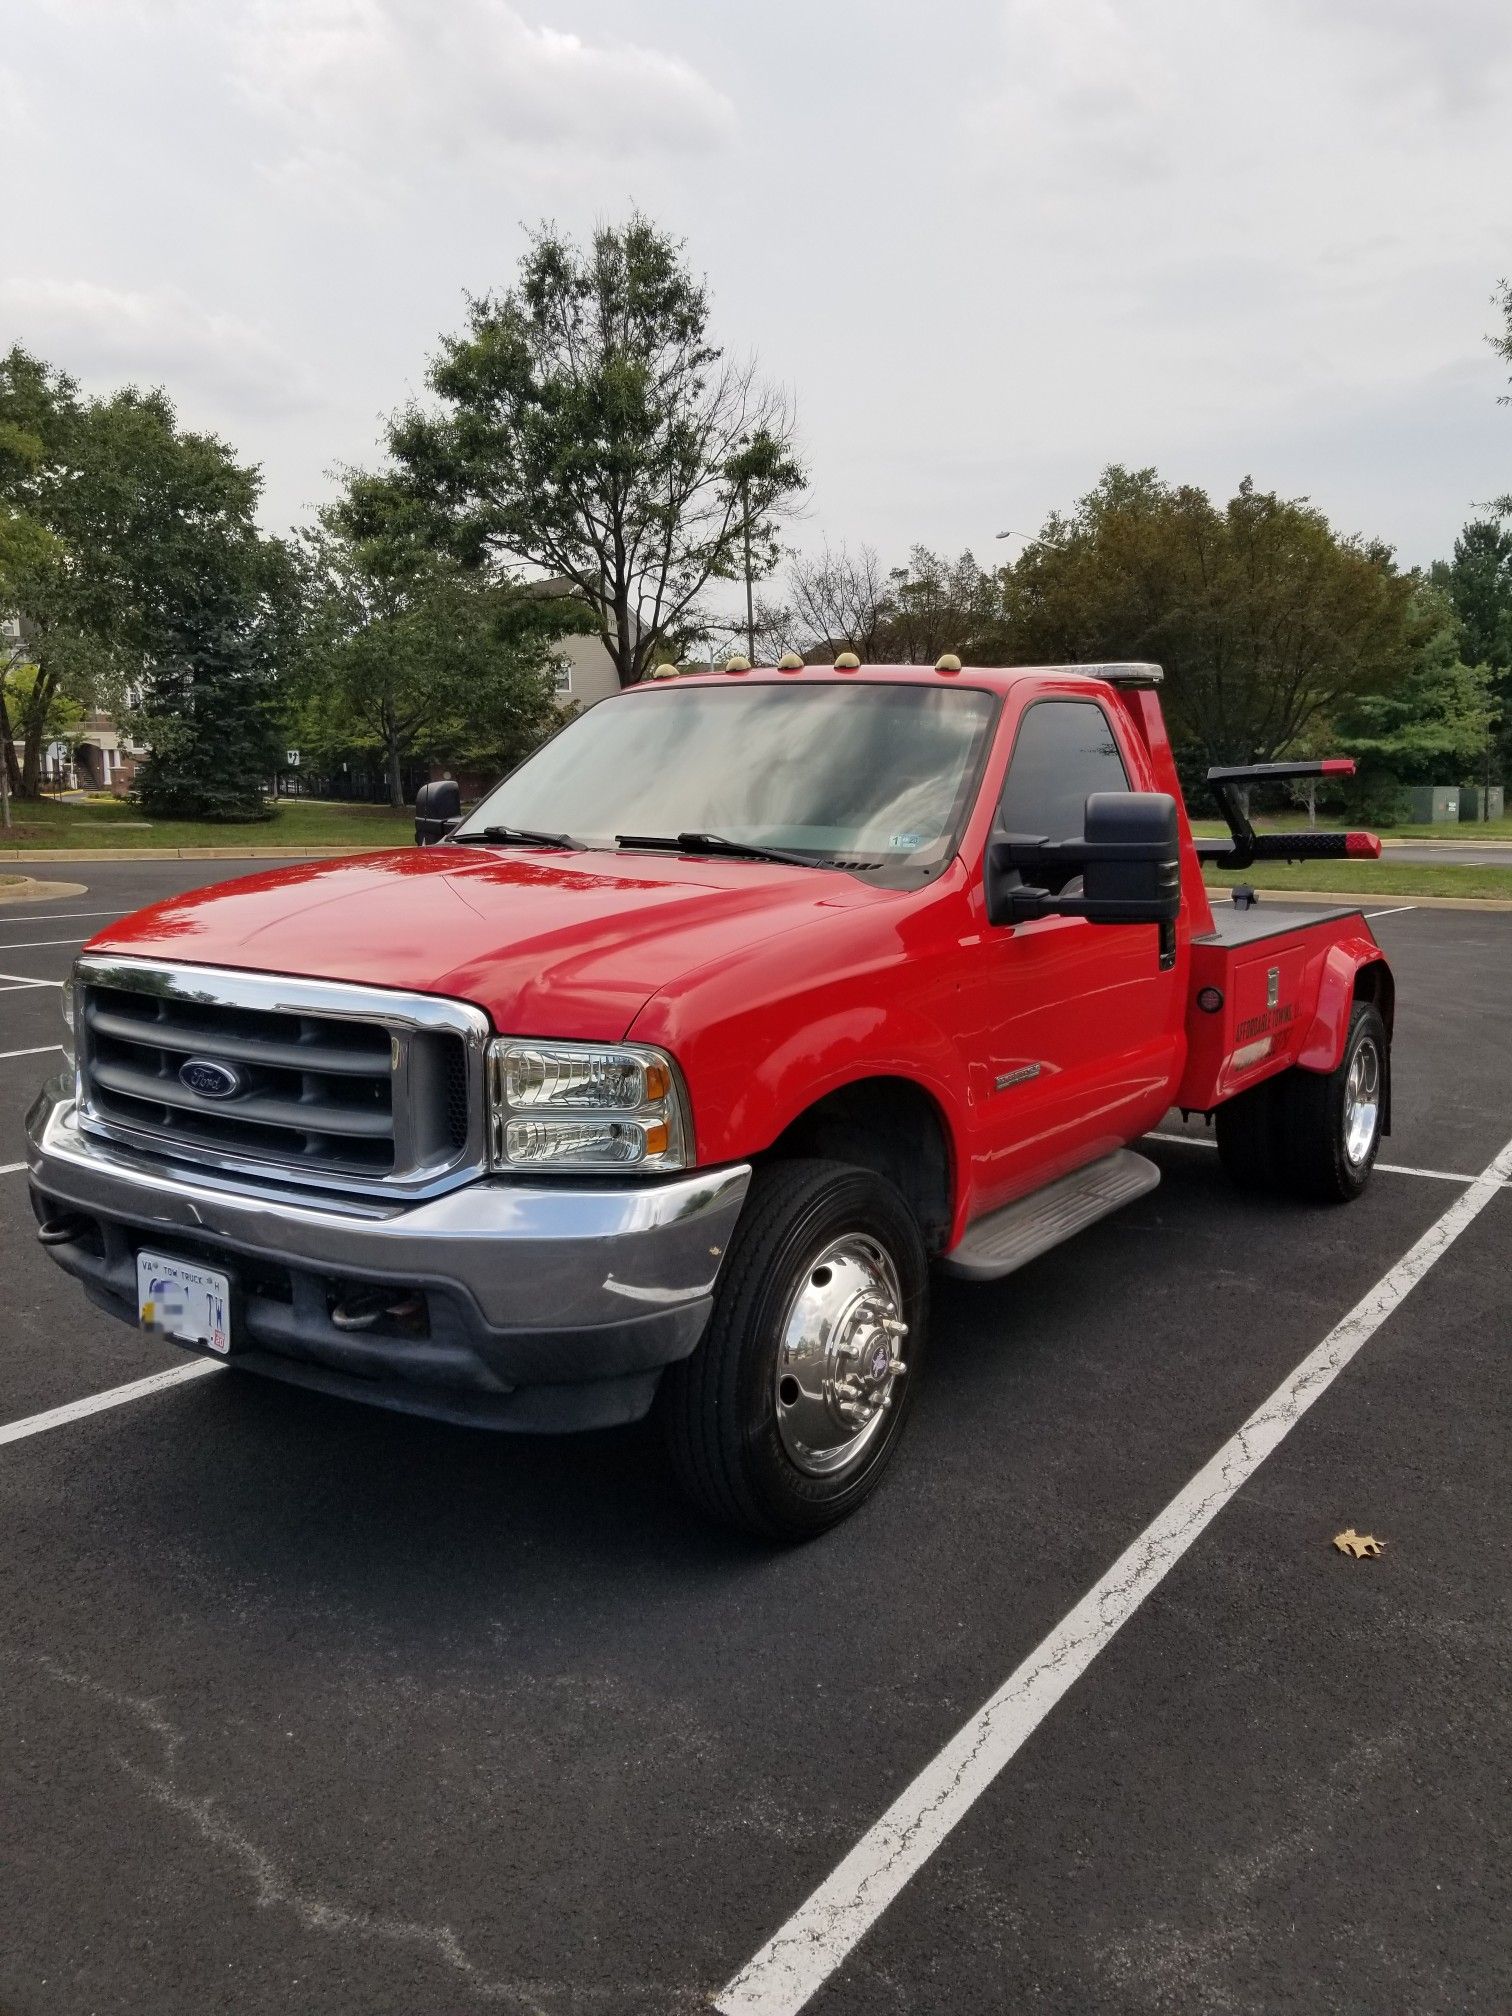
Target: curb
[(1388, 898), (29, 890), (20, 854), (1493, 844)]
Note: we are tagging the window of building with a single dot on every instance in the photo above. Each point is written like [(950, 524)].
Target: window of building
[(1065, 750), (561, 678)]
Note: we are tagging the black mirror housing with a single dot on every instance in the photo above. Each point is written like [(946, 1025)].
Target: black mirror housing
[(1133, 868), (1129, 862), (438, 810)]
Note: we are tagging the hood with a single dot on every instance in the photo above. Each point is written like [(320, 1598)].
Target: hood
[(569, 945)]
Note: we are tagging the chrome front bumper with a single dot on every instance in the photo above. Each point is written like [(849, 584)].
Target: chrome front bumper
[(546, 1305)]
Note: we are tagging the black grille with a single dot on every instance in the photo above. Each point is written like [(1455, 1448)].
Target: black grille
[(458, 1105), (313, 1089)]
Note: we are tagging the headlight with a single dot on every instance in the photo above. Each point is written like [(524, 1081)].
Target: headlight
[(586, 1106), (68, 1018)]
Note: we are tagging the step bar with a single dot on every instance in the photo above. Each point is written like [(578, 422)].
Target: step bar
[(1021, 1231)]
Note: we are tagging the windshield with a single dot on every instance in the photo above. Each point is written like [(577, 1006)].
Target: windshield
[(875, 776)]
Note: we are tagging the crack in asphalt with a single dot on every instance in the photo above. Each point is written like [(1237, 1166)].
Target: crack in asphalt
[(273, 1887)]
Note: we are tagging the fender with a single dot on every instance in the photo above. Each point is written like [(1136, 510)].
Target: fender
[(1322, 1048), (827, 1055)]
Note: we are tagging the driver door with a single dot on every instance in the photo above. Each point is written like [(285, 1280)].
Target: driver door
[(1080, 1028)]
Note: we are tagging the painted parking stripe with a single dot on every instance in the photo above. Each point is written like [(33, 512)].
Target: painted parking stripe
[(10, 1168), (115, 1396), (20, 980), (1400, 911), (32, 944), (42, 915), (40, 1051), (799, 1958), (1381, 1168)]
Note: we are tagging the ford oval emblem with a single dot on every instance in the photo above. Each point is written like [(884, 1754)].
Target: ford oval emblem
[(210, 1078)]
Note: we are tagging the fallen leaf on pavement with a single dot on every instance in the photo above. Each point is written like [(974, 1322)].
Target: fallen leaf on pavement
[(1357, 1544)]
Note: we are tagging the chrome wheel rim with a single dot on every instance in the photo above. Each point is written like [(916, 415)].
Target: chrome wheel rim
[(838, 1366), (1362, 1103)]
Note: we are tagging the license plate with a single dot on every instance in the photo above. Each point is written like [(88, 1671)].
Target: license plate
[(189, 1302)]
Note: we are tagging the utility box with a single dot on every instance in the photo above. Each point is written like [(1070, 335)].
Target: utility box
[(1482, 801), (1433, 804)]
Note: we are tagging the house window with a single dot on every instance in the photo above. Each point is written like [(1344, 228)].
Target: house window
[(561, 678)]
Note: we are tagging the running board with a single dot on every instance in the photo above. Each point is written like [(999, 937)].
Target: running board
[(1031, 1225)]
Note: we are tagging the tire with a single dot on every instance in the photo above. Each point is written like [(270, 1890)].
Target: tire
[(1249, 1137), (822, 1251), (1330, 1128)]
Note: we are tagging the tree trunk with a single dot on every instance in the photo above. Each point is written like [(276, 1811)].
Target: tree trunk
[(8, 751), (33, 726), (626, 648), (395, 774)]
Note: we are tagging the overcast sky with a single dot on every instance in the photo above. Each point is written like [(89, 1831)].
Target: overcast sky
[(991, 245)]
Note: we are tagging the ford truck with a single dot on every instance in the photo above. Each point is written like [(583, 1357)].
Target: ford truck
[(665, 1078)]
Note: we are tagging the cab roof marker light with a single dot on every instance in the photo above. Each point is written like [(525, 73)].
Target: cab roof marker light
[(737, 662), (847, 662), (790, 662), (947, 662)]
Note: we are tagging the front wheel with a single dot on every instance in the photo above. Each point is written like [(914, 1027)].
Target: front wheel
[(786, 1415)]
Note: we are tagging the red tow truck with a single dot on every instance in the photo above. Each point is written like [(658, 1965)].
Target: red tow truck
[(665, 1077)]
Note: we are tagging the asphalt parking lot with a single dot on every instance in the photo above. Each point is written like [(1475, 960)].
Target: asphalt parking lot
[(311, 1708)]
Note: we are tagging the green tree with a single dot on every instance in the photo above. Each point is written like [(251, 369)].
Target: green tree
[(142, 564), (41, 579), (213, 607), (936, 605), (762, 473), (1265, 619), (408, 654), (1478, 582), (1434, 727), (589, 426)]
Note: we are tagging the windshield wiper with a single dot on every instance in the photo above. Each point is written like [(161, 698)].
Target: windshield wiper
[(518, 836), (716, 843)]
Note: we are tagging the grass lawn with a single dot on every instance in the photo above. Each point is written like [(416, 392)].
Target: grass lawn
[(1372, 878), (296, 823)]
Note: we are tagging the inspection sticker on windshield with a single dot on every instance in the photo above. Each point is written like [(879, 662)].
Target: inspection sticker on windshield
[(189, 1302), (908, 840)]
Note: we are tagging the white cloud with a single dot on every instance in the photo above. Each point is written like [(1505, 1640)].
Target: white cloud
[(1454, 54), (153, 337), (400, 86)]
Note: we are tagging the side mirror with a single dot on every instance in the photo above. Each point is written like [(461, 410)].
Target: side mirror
[(438, 810), (1129, 863)]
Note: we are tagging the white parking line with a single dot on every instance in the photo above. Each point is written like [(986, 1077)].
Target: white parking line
[(1400, 911), (58, 916), (800, 1957), (31, 944), (1382, 1168), (10, 1168), (21, 980), (115, 1396), (40, 1051)]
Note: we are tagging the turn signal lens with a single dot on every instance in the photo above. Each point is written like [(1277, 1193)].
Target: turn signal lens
[(68, 1019), (572, 1106)]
